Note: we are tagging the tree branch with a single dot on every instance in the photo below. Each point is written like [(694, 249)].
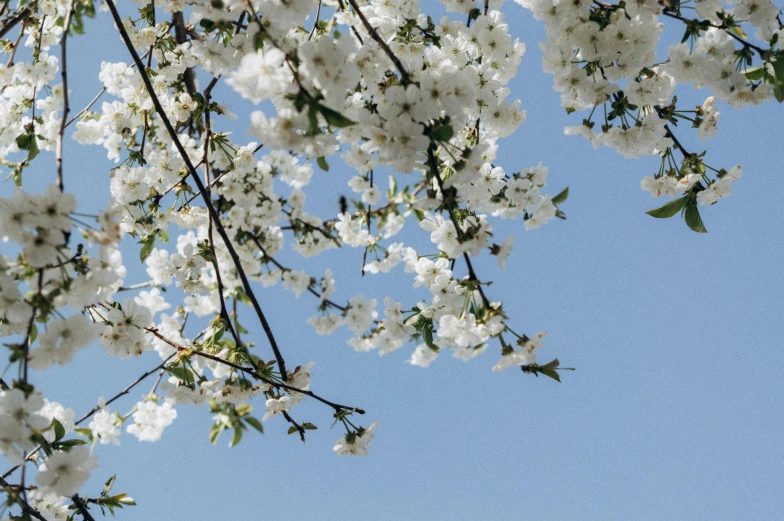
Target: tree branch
[(404, 78), (82, 508), (247, 370), (66, 108), (10, 24), (202, 190)]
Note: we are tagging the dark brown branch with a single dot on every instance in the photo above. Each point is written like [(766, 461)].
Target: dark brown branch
[(127, 389), (380, 41), (97, 97), (353, 29), (312, 31), (181, 36), (253, 373), (17, 497), (66, 107), (284, 268), (205, 160), (10, 24), (28, 336), (98, 407), (202, 190), (677, 143), (743, 42), (296, 425), (82, 508), (472, 276), (431, 158)]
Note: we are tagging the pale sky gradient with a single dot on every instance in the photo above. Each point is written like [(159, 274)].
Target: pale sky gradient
[(674, 412)]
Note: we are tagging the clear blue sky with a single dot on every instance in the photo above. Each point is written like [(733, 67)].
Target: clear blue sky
[(674, 412)]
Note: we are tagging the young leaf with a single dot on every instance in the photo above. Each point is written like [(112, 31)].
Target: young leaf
[(693, 219), (237, 437), (59, 430), (335, 119), (755, 73), (778, 84), (442, 133), (561, 197), (215, 432), (669, 209), (549, 369), (108, 485), (148, 243), (322, 163), (253, 422), (552, 373)]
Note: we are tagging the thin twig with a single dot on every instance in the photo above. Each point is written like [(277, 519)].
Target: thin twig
[(670, 134), (13, 494), (127, 389), (181, 36), (66, 107), (205, 195), (315, 25), (380, 41), (247, 370), (300, 429), (82, 508), (10, 24)]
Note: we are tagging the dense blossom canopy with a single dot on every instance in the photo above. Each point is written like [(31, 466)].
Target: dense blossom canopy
[(413, 105)]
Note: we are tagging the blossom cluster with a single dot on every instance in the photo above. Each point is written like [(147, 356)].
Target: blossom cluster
[(605, 55), (415, 109)]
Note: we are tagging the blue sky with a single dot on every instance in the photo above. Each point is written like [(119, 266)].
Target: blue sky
[(674, 411)]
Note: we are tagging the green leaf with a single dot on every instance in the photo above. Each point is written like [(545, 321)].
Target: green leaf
[(778, 70), (108, 485), (693, 219), (427, 333), (84, 432), (313, 127), (241, 330), (442, 133), (755, 73), (59, 430), (23, 141), (737, 31), (335, 119), (67, 444), (256, 424), (292, 430), (322, 163), (215, 432), (148, 243), (309, 426), (258, 40), (17, 173), (236, 438), (561, 197), (181, 373), (28, 142), (552, 373), (244, 409), (669, 209)]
